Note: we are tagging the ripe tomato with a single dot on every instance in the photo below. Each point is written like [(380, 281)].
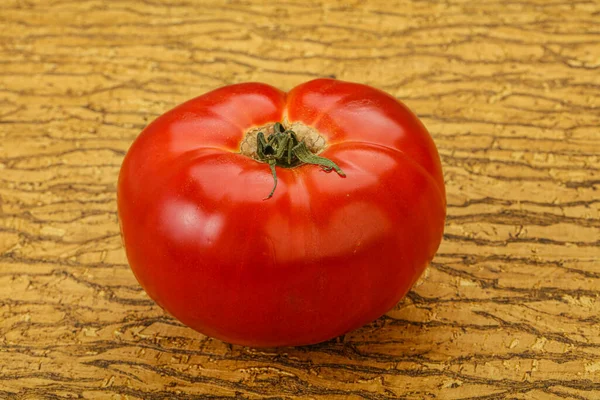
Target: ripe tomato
[(325, 254)]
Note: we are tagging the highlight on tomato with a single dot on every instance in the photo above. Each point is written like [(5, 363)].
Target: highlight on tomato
[(267, 218)]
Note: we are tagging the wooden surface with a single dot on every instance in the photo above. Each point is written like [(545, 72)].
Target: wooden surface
[(508, 88)]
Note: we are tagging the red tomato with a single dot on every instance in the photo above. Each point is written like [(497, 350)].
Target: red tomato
[(324, 255)]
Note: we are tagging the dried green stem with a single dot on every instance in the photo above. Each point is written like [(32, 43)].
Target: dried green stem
[(283, 149)]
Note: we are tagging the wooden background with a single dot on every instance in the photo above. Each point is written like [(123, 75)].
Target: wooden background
[(508, 88)]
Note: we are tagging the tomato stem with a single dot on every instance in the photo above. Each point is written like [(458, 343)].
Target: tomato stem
[(283, 149)]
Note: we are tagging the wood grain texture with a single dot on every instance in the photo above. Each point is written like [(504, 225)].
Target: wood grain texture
[(510, 91)]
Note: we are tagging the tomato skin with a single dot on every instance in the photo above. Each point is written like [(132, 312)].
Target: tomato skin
[(323, 256)]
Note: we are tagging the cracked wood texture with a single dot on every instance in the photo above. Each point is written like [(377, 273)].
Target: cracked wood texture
[(509, 90)]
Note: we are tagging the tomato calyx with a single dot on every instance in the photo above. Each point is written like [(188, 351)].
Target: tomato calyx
[(282, 148)]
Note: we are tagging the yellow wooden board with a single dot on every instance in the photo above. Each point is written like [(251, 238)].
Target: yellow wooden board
[(510, 92)]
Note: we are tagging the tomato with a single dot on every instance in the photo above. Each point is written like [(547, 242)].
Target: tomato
[(334, 245)]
